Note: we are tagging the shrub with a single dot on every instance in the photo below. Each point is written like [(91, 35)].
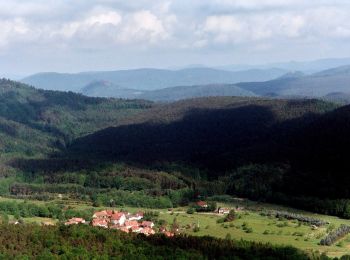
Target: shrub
[(190, 210), (335, 235)]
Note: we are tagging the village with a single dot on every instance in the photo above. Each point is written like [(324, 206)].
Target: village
[(123, 221), (128, 222)]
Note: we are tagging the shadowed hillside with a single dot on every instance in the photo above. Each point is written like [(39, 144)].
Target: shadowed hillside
[(214, 133)]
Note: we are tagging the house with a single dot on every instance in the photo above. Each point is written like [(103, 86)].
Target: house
[(124, 229), (147, 231), (99, 223), (101, 214), (223, 210), (136, 229), (137, 216), (131, 223), (75, 221), (202, 204), (118, 218), (148, 224)]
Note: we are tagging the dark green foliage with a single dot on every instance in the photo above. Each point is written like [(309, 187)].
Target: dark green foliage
[(37, 121), (230, 216), (256, 181), (190, 210), (94, 243)]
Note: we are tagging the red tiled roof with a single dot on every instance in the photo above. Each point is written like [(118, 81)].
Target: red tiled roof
[(124, 229), (99, 222), (129, 223), (147, 224), (102, 213), (117, 216), (147, 231), (201, 203)]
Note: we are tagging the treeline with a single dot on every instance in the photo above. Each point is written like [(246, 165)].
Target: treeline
[(272, 183), (106, 197), (84, 242), (299, 217), (335, 235), (105, 185), (45, 210)]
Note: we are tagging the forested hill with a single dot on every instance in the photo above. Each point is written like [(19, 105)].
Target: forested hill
[(37, 121), (295, 148), (214, 133)]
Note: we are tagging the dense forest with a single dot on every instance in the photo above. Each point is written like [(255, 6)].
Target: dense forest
[(37, 122), (296, 149)]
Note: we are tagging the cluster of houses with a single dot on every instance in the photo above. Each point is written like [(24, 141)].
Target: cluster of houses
[(123, 221)]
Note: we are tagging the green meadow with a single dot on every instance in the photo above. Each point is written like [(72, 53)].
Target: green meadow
[(250, 224)]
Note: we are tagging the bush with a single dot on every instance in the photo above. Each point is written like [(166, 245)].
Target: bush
[(190, 210)]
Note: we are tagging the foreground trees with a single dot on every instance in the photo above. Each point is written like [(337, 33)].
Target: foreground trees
[(27, 242)]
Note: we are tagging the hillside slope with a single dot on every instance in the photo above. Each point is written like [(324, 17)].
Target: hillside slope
[(214, 133), (37, 120), (220, 135)]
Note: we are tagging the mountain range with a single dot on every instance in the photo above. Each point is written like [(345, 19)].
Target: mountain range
[(314, 85), (167, 85), (148, 79)]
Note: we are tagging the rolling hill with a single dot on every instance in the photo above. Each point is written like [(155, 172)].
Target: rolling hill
[(212, 133), (108, 89), (307, 140), (34, 120), (315, 85), (148, 79)]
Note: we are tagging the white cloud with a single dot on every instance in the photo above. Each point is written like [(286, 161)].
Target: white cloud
[(180, 27), (323, 23), (11, 30), (145, 26), (99, 21)]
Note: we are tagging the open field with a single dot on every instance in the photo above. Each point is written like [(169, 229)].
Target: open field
[(261, 228)]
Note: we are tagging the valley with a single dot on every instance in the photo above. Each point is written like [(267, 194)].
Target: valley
[(87, 154), (251, 223)]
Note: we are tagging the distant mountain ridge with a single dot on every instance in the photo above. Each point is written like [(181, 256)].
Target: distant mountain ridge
[(307, 67), (149, 79), (108, 89), (315, 85)]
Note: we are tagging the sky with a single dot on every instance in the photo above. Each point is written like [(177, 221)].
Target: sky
[(86, 35)]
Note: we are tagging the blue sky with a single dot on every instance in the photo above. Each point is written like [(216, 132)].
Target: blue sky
[(79, 35)]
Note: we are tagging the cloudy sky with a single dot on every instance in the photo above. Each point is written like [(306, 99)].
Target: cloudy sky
[(70, 36)]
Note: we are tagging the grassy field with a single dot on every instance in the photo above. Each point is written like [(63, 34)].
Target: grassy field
[(261, 228)]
